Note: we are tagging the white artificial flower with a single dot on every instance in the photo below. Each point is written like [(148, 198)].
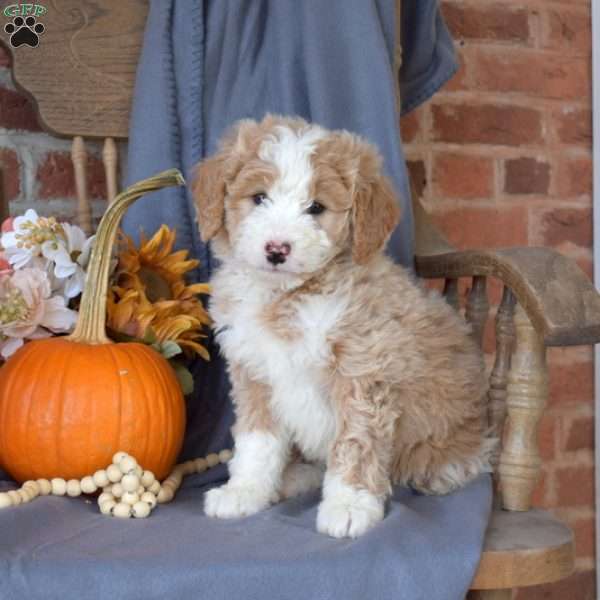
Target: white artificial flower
[(70, 256), (19, 249)]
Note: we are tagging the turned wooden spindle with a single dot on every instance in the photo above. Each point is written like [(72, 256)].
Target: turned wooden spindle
[(451, 293), (110, 158), (477, 307), (505, 340), (527, 391), (84, 210), (489, 595)]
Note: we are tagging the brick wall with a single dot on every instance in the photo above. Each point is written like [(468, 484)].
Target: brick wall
[(503, 157), (37, 167)]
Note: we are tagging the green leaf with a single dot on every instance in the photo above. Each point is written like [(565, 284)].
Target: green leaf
[(186, 381), (149, 337), (168, 349)]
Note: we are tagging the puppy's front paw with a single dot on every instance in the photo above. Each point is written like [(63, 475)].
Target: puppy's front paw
[(350, 515), (231, 501)]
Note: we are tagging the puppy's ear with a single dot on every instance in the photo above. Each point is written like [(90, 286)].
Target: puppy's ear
[(375, 209), (214, 173), (209, 191)]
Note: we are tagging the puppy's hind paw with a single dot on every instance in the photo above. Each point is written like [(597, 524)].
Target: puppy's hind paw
[(349, 518), (232, 501)]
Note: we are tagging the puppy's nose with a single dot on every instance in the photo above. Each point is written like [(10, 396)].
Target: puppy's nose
[(277, 252)]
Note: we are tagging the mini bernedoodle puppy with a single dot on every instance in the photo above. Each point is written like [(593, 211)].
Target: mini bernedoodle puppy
[(345, 371)]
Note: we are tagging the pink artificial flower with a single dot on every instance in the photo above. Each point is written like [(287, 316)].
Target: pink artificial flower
[(7, 225), (29, 311)]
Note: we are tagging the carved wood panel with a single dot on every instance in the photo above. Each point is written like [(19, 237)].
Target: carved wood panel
[(81, 75)]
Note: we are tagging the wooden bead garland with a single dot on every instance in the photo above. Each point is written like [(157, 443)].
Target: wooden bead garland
[(126, 489)]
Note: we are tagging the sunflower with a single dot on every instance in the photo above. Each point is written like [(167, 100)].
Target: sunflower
[(151, 296)]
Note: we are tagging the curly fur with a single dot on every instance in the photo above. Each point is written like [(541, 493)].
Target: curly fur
[(336, 355)]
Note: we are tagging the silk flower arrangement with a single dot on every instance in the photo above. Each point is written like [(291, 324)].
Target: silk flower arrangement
[(72, 404)]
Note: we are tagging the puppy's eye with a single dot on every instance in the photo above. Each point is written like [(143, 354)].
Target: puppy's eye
[(316, 208), (259, 198)]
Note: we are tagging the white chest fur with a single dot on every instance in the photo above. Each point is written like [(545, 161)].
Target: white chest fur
[(293, 367)]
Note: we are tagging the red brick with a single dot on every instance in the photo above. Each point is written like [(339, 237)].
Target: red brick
[(9, 163), (16, 111), (534, 74), (580, 586), (547, 434), (489, 22), (410, 126), (569, 30), (575, 177), (573, 125), (418, 175), (463, 176), (459, 81), (487, 227), (486, 124), (581, 434), (539, 493), (57, 179), (562, 225), (585, 537), (575, 486), (571, 383), (526, 176)]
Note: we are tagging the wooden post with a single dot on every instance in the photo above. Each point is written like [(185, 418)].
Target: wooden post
[(451, 293), (489, 595), (527, 391), (84, 210), (477, 307), (110, 158), (505, 340)]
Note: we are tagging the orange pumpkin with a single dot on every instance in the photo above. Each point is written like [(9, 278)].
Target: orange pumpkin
[(67, 404)]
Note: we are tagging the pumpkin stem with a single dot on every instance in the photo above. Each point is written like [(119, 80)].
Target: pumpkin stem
[(91, 324)]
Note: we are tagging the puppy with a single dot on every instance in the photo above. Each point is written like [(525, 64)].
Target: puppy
[(344, 371)]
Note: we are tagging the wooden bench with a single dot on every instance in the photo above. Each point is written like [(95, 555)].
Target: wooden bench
[(82, 83)]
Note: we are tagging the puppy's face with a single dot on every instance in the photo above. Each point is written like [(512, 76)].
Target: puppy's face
[(285, 197)]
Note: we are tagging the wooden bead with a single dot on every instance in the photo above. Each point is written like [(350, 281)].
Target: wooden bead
[(212, 460), (130, 482), (117, 490), (121, 510), (26, 495), (32, 485), (147, 478), (149, 498), (100, 478), (59, 486), (73, 488), (127, 464), (114, 473), (165, 495), (200, 465), (225, 455), (15, 498), (45, 486), (5, 500), (104, 496), (130, 498), (140, 510), (118, 457), (88, 486), (107, 506), (155, 487)]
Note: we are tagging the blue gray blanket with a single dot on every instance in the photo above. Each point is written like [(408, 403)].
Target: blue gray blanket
[(204, 65)]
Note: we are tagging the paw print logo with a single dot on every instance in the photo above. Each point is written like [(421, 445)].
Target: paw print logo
[(24, 32)]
